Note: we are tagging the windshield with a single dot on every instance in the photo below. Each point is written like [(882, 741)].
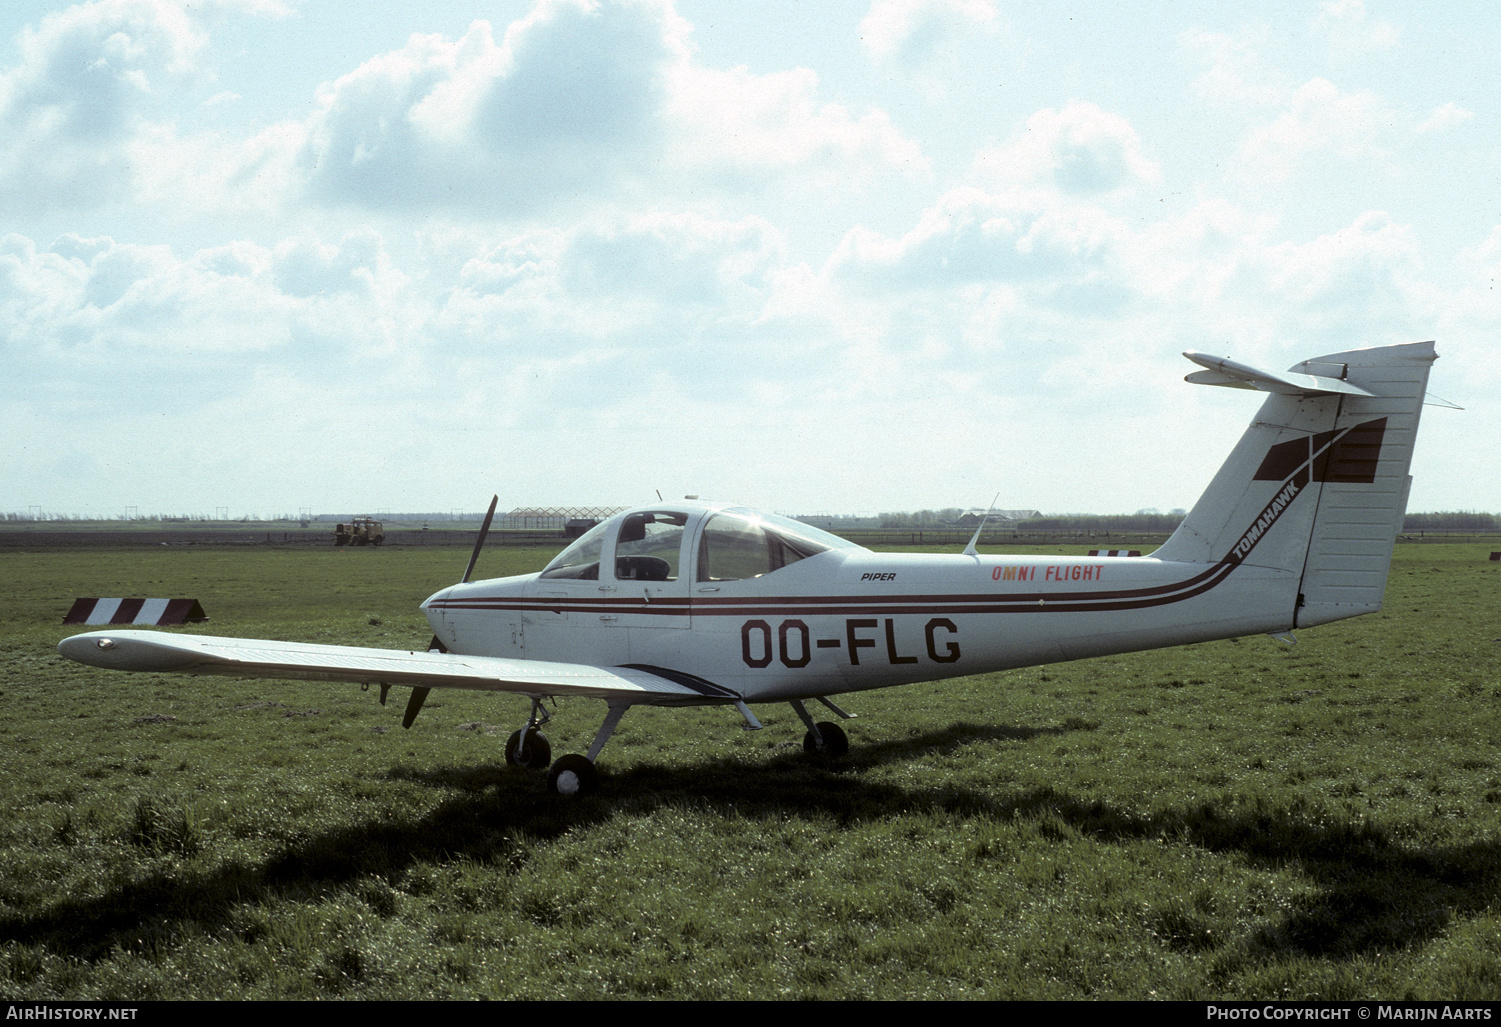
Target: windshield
[(580, 560)]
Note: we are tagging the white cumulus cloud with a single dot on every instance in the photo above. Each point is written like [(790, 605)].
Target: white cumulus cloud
[(569, 100), (747, 126), (1079, 149), (1442, 117), (910, 30), (1350, 31), (87, 83), (577, 99), (1320, 117)]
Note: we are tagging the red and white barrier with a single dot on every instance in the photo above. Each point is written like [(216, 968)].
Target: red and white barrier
[(159, 612)]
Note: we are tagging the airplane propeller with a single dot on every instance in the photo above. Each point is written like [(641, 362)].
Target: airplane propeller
[(479, 543), (419, 694)]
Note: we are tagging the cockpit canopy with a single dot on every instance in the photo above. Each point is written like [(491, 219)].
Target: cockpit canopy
[(736, 545), (656, 545)]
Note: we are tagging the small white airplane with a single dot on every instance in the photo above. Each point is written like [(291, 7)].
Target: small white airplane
[(694, 604)]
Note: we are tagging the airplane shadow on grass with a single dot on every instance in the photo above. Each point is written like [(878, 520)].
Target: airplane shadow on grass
[(1376, 894)]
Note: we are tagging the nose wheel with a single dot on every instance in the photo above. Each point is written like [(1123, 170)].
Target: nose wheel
[(528, 748)]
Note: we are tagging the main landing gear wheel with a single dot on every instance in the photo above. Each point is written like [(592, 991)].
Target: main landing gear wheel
[(533, 753), (835, 741), (573, 775)]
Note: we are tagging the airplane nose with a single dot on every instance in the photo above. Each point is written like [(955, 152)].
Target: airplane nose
[(442, 633)]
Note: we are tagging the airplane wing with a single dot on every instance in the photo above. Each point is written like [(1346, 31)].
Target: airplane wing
[(253, 657)]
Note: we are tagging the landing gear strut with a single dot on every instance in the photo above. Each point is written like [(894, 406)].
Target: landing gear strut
[(574, 774)]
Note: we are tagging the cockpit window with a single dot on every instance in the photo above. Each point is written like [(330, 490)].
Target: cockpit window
[(648, 546), (580, 560), (735, 546)]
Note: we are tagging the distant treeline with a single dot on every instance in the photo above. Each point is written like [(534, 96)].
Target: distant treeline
[(144, 518), (922, 520), (1453, 520), (1450, 520), (248, 519), (1154, 522)]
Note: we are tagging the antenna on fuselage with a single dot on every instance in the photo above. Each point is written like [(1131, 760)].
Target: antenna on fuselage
[(479, 543), (970, 550)]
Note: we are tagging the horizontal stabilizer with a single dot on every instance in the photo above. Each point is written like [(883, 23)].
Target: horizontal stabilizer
[(1235, 375)]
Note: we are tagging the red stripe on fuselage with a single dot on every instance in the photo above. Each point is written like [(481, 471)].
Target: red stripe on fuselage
[(720, 606)]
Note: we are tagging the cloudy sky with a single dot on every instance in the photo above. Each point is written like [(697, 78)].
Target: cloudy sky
[(812, 256)]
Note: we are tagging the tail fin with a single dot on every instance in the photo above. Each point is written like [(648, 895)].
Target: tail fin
[(1317, 486)]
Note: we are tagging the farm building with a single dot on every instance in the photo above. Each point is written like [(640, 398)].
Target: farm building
[(554, 518)]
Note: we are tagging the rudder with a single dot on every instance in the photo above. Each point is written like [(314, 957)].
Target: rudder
[(1363, 498)]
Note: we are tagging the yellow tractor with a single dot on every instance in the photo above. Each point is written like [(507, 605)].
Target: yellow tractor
[(362, 531)]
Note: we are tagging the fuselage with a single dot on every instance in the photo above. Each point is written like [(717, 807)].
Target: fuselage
[(771, 612)]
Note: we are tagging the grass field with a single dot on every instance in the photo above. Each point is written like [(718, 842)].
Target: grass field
[(1236, 819)]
